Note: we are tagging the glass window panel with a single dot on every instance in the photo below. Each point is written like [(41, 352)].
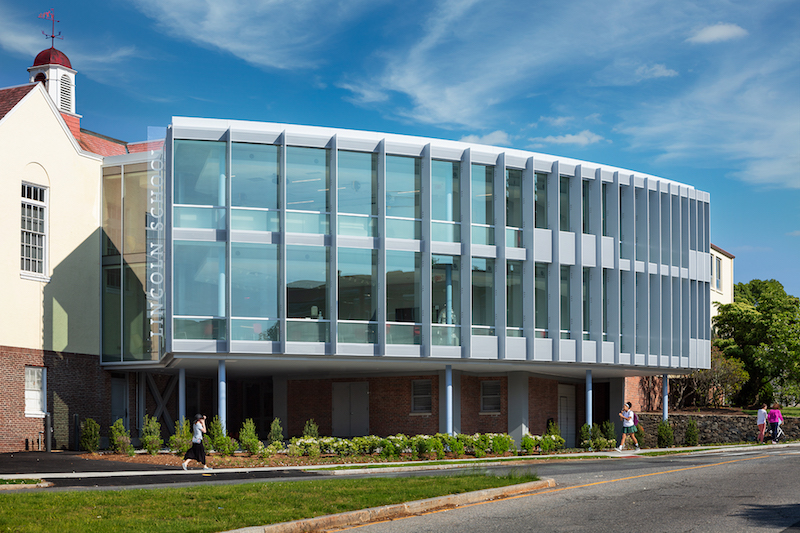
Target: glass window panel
[(307, 282), (112, 314), (445, 191), (199, 278), (491, 393), (255, 170), (586, 202), (358, 332), (482, 195), (446, 335), (586, 309), (402, 333), (255, 220), (198, 218), (541, 201), (482, 292), (403, 229), (514, 238), (136, 342), (403, 286), (357, 226), (403, 176), (112, 211), (565, 300), (482, 235), (135, 205), (421, 396), (563, 208), (358, 284), (514, 294), (199, 328), (513, 198), (255, 283), (307, 223), (358, 174), (200, 173), (307, 179), (541, 295), (445, 232), (255, 330), (446, 289), (307, 331)]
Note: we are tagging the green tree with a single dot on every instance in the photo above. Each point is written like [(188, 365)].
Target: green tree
[(761, 328)]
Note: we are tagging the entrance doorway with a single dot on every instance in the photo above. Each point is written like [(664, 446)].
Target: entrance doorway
[(350, 409)]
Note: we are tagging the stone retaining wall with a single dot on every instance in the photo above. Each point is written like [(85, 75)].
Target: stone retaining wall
[(712, 428)]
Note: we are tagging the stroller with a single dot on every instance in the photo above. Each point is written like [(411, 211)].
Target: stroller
[(778, 434)]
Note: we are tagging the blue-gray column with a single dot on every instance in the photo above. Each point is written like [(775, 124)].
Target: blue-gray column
[(181, 395), (589, 397), (222, 407), (448, 380), (665, 397)]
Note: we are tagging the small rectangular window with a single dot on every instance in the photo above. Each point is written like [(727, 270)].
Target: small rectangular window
[(490, 396), (33, 229), (421, 396), (34, 391)]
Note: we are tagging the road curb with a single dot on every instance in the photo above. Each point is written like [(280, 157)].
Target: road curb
[(399, 510)]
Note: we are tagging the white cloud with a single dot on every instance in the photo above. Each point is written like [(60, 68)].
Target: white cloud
[(496, 138), (718, 33), (794, 233), (583, 138), (645, 72), (557, 121)]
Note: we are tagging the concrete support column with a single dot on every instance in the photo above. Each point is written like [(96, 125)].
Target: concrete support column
[(222, 401), (665, 397), (448, 384), (181, 395), (518, 422), (589, 404)]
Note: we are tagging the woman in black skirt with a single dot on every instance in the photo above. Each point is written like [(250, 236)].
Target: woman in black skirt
[(197, 451)]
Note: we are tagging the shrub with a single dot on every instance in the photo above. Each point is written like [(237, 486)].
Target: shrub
[(501, 443), (481, 444), (249, 438), (551, 443), (311, 429), (452, 443), (300, 446), (271, 450), (586, 437), (366, 445), (530, 443), (275, 432), (220, 442), (436, 446), (151, 435), (692, 436), (121, 438), (640, 433), (401, 443), (90, 435), (181, 441), (666, 437), (608, 430), (553, 429)]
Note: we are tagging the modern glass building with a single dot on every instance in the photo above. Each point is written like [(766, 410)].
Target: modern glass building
[(381, 283)]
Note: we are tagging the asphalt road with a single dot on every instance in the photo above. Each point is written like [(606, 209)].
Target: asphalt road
[(726, 492)]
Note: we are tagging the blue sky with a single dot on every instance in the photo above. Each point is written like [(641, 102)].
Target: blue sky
[(705, 93)]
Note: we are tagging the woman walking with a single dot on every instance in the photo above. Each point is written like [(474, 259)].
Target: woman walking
[(628, 427), (197, 451), (761, 420), (775, 419)]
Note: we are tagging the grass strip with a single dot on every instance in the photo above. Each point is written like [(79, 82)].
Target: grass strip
[(367, 466), (209, 508), (19, 481)]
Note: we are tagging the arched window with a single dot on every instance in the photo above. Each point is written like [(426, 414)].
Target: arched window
[(40, 78)]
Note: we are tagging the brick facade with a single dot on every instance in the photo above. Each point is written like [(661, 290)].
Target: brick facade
[(75, 385), (472, 420), (542, 404), (644, 392)]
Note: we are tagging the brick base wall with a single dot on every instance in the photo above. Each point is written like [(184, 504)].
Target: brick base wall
[(75, 385), (472, 421), (542, 404)]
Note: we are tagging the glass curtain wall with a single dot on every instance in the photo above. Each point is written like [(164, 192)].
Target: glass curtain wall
[(199, 302), (307, 188), (540, 201), (565, 303), (446, 300), (112, 250), (255, 286), (403, 215), (357, 193), (563, 207), (482, 205), (358, 288), (482, 296), (514, 208), (445, 201), (403, 297), (541, 296), (200, 184), (255, 178)]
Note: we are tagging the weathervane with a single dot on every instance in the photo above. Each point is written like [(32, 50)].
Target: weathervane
[(50, 16)]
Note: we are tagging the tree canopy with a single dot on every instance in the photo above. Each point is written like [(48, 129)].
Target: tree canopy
[(761, 328)]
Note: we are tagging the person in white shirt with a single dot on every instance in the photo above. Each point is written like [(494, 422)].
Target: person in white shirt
[(628, 427), (761, 420), (197, 451)]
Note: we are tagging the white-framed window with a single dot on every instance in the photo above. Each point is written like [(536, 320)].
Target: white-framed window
[(491, 393), (35, 391), (33, 244), (421, 396), (66, 94), (718, 273)]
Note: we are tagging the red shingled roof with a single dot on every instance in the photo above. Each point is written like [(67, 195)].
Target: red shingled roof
[(144, 146), (11, 96), (100, 144)]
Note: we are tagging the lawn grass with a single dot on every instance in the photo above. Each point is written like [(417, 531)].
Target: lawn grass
[(223, 507), (19, 481)]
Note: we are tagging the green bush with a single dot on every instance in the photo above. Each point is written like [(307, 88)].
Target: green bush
[(640, 433), (311, 429), (692, 436), (501, 443), (436, 446), (300, 446), (151, 435), (666, 438), (275, 432), (249, 438), (481, 444), (366, 445), (608, 430), (273, 449), (90, 435), (181, 441), (121, 439), (586, 437), (452, 443), (220, 442), (553, 429), (529, 443)]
